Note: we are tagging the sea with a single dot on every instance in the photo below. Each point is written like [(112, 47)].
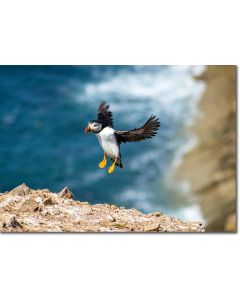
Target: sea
[(45, 109)]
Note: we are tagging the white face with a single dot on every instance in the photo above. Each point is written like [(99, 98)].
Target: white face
[(95, 126)]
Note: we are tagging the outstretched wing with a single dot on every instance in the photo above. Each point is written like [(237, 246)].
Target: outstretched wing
[(104, 115), (147, 131)]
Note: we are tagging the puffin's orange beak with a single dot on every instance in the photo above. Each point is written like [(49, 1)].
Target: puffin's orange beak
[(87, 129)]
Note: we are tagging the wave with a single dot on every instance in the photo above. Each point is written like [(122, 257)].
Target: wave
[(164, 85)]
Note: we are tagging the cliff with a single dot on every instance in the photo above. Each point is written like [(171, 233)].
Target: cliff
[(27, 210), (211, 166)]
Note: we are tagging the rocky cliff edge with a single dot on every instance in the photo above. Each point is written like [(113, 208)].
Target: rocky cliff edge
[(27, 210)]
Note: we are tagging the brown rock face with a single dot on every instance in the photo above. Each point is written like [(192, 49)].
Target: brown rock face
[(27, 210), (211, 166)]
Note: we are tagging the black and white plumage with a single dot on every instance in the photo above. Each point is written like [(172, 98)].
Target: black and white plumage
[(110, 139)]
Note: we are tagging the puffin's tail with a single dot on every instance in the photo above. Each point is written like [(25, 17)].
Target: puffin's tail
[(118, 162)]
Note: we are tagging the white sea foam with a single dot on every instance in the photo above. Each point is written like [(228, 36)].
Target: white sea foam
[(187, 147), (139, 198), (145, 159), (191, 213), (149, 90), (147, 84)]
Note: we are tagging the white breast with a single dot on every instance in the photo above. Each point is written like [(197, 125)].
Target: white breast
[(108, 142)]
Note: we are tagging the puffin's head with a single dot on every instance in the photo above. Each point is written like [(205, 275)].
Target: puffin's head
[(93, 126)]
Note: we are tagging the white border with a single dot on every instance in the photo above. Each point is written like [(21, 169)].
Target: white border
[(124, 266)]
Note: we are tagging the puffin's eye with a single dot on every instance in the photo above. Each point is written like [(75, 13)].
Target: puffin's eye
[(95, 125)]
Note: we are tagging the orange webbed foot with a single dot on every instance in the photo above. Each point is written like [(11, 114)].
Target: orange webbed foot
[(103, 163), (111, 169)]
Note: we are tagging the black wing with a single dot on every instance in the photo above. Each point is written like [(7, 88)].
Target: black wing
[(104, 115), (147, 131)]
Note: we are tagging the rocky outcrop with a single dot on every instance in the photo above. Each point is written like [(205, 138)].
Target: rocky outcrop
[(211, 166), (27, 210)]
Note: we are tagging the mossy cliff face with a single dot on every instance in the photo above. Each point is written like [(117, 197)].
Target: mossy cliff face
[(211, 166), (27, 210)]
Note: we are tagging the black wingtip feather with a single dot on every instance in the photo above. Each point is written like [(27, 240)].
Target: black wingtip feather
[(147, 131), (104, 115)]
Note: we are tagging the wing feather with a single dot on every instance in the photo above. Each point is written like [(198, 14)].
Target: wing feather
[(147, 131), (104, 115)]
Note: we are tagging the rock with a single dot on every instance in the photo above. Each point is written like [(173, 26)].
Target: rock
[(20, 190), (49, 201), (54, 214), (151, 227), (14, 223), (65, 193), (156, 214)]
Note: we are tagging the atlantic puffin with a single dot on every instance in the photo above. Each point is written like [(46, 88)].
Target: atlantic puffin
[(110, 139)]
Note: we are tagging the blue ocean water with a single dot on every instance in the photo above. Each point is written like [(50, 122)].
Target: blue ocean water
[(43, 113)]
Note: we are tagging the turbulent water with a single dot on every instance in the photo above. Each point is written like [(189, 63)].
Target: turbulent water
[(43, 113)]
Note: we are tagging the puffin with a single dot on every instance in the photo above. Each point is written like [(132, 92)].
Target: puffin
[(110, 139)]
